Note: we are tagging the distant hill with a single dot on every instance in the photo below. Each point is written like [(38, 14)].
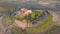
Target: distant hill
[(53, 5)]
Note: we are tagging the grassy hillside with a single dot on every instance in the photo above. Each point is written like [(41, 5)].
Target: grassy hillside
[(54, 30), (45, 24), (34, 16)]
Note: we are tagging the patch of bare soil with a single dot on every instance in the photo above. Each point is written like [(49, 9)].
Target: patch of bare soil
[(21, 24), (2, 28)]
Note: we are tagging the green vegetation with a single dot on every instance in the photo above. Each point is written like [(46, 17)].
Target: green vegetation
[(10, 19), (53, 30), (45, 24), (30, 18), (11, 10), (15, 29), (19, 17), (34, 16)]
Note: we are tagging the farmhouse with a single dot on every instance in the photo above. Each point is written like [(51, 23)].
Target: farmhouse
[(22, 11)]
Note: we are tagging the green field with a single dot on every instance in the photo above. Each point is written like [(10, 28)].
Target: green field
[(55, 29), (45, 24)]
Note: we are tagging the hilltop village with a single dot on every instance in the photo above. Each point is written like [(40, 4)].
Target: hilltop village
[(25, 22), (22, 11)]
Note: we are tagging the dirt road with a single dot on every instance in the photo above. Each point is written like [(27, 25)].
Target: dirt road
[(56, 18), (2, 28)]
